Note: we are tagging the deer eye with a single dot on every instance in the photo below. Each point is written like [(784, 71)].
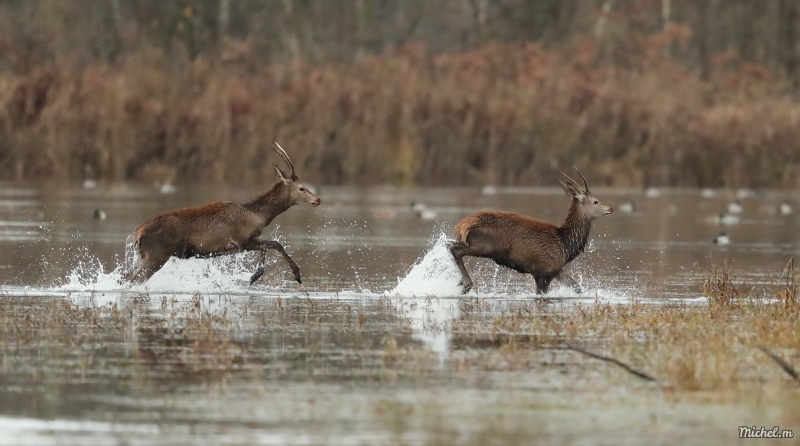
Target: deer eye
[(596, 202), (302, 189)]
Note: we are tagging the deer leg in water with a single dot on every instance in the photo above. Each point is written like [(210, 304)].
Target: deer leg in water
[(566, 278), (474, 249), (542, 282), (147, 265), (263, 245), (459, 251)]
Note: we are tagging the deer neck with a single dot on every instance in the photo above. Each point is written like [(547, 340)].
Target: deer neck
[(574, 232), (270, 204)]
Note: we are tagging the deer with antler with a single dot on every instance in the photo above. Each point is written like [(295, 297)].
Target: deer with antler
[(220, 228), (528, 245)]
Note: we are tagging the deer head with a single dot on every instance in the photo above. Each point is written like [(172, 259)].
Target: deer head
[(588, 204), (298, 192)]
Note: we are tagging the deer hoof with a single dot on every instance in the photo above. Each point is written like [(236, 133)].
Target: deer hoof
[(297, 278), (465, 288), (256, 275)]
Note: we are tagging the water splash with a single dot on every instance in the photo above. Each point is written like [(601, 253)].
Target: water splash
[(230, 274), (435, 275)]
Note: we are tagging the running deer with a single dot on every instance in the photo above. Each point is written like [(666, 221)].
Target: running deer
[(528, 245), (219, 228)]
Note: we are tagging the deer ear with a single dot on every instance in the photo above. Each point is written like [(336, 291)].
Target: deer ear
[(281, 176), (570, 190)]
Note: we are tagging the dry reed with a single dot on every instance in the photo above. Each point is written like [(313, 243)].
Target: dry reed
[(501, 113)]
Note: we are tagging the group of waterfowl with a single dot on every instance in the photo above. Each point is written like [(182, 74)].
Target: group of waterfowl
[(732, 216), (164, 187)]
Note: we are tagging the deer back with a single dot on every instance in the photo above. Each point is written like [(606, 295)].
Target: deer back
[(515, 240)]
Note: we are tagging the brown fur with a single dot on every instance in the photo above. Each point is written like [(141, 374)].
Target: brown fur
[(218, 228), (529, 245)]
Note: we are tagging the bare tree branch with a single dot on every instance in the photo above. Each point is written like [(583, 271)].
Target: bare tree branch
[(781, 362), (628, 368)]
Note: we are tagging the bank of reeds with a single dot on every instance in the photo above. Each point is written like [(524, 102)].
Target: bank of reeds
[(503, 114)]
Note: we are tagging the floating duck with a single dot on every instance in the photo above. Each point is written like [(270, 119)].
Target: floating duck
[(416, 206), (735, 207), (426, 214), (100, 215), (166, 187), (722, 239), (652, 192), (422, 211), (727, 219), (88, 173), (489, 190), (626, 207), (708, 193)]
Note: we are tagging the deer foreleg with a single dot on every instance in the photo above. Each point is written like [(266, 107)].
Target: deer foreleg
[(542, 282), (147, 266), (263, 245)]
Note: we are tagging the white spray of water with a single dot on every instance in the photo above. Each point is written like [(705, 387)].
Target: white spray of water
[(229, 273), (435, 275)]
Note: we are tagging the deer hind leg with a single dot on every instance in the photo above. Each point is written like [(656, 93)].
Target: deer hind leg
[(478, 245), (567, 279), (263, 245), (459, 251)]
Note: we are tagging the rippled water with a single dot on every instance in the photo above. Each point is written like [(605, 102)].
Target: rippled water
[(307, 364)]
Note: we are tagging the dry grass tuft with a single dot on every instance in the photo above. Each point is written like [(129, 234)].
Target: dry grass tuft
[(719, 288)]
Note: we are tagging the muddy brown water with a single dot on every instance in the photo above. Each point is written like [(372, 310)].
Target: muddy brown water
[(360, 353)]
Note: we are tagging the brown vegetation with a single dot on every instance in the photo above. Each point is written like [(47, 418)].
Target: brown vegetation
[(505, 114), (686, 347), (655, 96)]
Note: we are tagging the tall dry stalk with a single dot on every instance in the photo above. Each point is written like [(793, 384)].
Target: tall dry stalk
[(719, 288), (500, 113)]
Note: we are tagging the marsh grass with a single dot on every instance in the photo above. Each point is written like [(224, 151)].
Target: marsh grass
[(720, 353), (709, 348)]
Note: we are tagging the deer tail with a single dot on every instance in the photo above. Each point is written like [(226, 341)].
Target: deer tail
[(462, 229)]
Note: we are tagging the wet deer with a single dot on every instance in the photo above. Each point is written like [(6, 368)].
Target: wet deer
[(220, 228), (528, 245)]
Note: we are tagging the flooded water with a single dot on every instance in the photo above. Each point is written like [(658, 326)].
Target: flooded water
[(363, 351)]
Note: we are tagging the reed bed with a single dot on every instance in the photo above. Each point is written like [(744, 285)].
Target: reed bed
[(499, 114)]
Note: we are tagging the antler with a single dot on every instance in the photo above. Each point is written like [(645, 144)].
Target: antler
[(586, 186), (285, 157), (575, 183)]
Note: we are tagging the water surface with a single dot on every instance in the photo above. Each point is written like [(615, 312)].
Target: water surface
[(360, 353)]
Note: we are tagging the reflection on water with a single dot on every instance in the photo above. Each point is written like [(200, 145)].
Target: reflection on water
[(366, 338)]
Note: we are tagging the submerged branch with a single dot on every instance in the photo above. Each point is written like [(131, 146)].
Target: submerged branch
[(613, 361), (781, 362)]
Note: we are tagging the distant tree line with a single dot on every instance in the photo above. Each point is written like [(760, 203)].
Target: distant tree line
[(35, 32)]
